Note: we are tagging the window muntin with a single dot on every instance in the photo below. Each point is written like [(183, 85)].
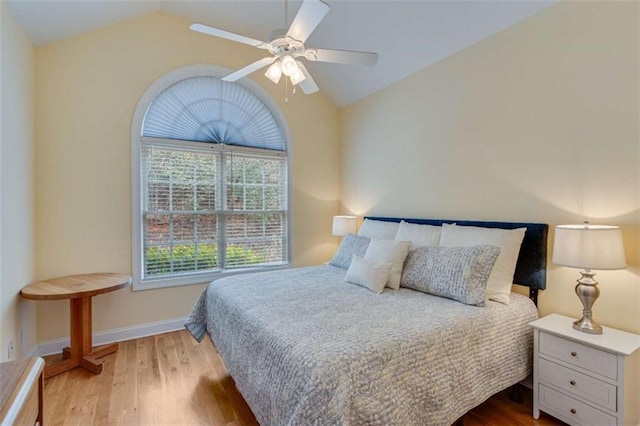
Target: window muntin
[(212, 208)]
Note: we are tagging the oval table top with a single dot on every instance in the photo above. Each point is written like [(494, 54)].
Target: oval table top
[(75, 286)]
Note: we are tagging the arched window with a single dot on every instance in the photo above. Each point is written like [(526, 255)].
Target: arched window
[(210, 186)]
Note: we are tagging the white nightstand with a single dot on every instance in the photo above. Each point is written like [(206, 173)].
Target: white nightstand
[(580, 378)]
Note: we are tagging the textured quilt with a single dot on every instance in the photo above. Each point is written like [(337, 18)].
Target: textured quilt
[(306, 348)]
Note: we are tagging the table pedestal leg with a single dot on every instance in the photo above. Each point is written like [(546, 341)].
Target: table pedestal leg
[(81, 353), (96, 353)]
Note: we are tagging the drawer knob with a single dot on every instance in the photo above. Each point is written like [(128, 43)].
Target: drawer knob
[(574, 354), (573, 383), (573, 411)]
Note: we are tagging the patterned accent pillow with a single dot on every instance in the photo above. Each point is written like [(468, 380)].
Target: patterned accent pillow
[(458, 273), (509, 241), (352, 244)]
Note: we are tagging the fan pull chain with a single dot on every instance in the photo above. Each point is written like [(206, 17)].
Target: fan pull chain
[(286, 90), (286, 79)]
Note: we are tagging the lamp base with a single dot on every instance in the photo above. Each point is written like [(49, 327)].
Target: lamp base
[(587, 325), (587, 292)]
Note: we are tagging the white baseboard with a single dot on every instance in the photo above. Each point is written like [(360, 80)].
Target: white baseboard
[(31, 353), (116, 335)]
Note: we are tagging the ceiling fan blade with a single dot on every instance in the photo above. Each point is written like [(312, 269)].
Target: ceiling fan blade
[(307, 85), (205, 29), (341, 56), (242, 72), (309, 16)]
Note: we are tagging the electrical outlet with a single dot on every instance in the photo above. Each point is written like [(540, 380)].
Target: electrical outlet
[(20, 338), (10, 349)]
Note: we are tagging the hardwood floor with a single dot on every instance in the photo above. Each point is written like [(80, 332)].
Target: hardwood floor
[(169, 379)]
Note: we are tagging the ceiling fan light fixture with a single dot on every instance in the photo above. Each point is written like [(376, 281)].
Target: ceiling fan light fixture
[(287, 45), (289, 66), (274, 72), (297, 76)]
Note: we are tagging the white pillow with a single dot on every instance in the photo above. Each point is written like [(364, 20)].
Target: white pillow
[(389, 251), (373, 276), (419, 235), (378, 229), (509, 241)]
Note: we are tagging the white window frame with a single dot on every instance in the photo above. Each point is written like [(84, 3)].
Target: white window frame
[(136, 178)]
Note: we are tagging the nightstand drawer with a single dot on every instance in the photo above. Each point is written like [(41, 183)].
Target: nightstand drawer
[(583, 357), (580, 385), (571, 410)]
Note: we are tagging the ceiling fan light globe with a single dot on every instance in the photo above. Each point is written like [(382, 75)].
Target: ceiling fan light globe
[(297, 77), (289, 66), (274, 72)]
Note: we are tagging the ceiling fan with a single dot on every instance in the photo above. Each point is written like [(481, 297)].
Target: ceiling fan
[(287, 47)]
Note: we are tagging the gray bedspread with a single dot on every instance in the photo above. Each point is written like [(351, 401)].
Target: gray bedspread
[(306, 348)]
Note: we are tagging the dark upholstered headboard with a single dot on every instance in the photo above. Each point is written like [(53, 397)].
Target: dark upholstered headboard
[(531, 269)]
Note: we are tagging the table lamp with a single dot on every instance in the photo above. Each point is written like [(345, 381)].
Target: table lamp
[(588, 247), (343, 225)]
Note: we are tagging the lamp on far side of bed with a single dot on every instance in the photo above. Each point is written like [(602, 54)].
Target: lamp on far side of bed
[(343, 225), (588, 247)]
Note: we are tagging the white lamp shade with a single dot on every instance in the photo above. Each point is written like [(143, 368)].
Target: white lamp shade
[(288, 65), (589, 247), (297, 76), (274, 72), (343, 225)]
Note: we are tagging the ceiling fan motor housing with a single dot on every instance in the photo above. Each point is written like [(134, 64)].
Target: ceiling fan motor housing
[(281, 44)]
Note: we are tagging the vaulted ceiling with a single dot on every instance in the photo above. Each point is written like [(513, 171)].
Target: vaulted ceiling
[(408, 35)]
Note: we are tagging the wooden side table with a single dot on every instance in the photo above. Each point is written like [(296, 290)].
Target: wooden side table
[(79, 289), (22, 392)]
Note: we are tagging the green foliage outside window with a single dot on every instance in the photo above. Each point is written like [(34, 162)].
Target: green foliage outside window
[(158, 258)]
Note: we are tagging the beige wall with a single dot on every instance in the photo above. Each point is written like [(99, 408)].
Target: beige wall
[(87, 90), (537, 123), (16, 187)]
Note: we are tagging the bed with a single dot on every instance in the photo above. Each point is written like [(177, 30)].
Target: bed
[(304, 347)]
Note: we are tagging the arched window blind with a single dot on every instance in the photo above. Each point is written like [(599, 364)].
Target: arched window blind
[(213, 185), (207, 109)]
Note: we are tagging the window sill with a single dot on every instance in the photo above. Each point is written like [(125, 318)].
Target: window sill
[(201, 278)]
